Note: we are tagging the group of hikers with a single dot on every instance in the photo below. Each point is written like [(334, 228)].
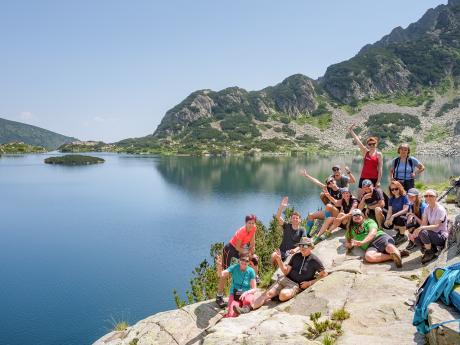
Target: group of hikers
[(366, 216)]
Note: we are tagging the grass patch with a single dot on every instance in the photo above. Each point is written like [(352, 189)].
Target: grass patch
[(120, 326), (340, 315), (437, 134), (322, 121)]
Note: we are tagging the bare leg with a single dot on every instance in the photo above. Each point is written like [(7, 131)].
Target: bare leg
[(260, 301), (332, 209), (373, 256), (325, 226), (287, 294), (379, 216)]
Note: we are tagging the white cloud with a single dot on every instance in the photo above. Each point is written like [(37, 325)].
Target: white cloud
[(98, 119), (27, 116)]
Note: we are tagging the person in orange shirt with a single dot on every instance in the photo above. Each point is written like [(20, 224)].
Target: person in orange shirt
[(243, 242)]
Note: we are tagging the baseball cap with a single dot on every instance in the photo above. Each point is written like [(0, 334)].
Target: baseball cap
[(356, 212), (367, 183), (413, 192)]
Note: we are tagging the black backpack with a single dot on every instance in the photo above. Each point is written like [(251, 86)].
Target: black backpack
[(396, 165)]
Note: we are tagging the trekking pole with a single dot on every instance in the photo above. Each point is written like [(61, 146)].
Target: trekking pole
[(455, 184)]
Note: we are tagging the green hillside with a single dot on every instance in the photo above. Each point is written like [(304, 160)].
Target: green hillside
[(12, 131)]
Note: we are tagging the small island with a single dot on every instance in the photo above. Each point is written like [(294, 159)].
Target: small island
[(74, 160), (20, 148)]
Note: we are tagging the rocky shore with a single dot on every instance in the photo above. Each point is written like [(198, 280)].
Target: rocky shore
[(377, 296)]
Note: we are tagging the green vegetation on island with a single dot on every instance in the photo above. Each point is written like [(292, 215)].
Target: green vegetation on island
[(74, 160), (20, 148), (87, 146)]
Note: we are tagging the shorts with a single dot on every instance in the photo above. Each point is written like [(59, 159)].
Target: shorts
[(374, 181), (285, 283), (400, 221), (228, 253), (381, 243)]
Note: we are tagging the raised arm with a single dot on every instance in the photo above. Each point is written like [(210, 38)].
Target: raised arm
[(362, 148), (336, 202), (283, 267), (312, 179), (281, 208), (350, 175)]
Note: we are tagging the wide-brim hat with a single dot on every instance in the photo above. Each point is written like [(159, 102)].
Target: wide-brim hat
[(306, 241)]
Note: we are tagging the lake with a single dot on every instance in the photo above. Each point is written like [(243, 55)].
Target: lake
[(85, 247)]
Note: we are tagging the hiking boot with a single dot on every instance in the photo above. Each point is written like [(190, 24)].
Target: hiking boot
[(428, 256), (220, 302), (241, 310), (411, 246), (404, 253), (399, 239), (397, 259)]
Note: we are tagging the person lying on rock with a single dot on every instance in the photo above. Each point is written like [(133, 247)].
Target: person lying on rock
[(292, 232), (299, 274), (243, 283), (372, 202), (398, 206), (345, 205), (365, 233), (244, 241), (433, 232)]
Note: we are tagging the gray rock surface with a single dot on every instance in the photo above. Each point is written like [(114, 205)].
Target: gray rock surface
[(377, 296)]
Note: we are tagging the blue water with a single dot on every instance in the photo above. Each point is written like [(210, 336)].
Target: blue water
[(84, 247)]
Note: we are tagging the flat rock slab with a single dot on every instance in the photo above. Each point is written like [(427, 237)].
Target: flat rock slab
[(447, 334)]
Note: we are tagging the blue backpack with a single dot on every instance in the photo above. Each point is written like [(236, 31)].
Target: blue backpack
[(441, 283)]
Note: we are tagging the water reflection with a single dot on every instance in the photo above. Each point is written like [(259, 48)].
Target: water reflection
[(278, 175)]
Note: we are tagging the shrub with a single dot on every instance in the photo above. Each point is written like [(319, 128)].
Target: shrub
[(437, 133), (289, 131), (448, 106), (389, 126)]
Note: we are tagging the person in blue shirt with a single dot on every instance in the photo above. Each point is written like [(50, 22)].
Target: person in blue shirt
[(414, 216), (405, 167), (243, 283), (398, 205)]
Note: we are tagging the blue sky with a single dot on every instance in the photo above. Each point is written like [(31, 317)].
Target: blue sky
[(110, 69)]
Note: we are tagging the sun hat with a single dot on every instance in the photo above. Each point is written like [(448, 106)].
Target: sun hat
[(344, 190), (306, 242), (356, 212)]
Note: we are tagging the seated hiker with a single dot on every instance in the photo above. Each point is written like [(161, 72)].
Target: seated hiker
[(405, 167), (372, 202), (292, 232), (345, 205), (433, 232), (398, 205), (241, 243), (299, 274), (330, 185), (243, 283), (342, 180), (365, 233), (415, 213)]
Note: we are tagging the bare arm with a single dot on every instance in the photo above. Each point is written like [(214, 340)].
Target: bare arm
[(283, 267), (336, 202), (370, 236), (307, 284), (380, 203), (362, 148), (380, 169), (252, 245), (312, 179), (281, 207), (420, 169), (350, 175), (403, 211)]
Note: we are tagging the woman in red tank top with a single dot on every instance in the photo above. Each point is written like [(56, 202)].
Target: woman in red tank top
[(372, 159)]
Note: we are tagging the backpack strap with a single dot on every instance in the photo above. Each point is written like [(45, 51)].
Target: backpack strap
[(436, 325)]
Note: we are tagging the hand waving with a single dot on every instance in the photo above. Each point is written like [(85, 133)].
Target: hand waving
[(284, 202)]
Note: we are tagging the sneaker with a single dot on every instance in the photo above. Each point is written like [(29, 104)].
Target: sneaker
[(397, 259), (428, 256), (400, 239), (241, 310), (220, 302), (411, 246), (404, 253)]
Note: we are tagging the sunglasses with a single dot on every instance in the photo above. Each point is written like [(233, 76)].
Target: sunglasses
[(371, 144), (335, 169), (329, 182), (244, 260), (394, 189), (357, 215), (429, 196), (304, 246)]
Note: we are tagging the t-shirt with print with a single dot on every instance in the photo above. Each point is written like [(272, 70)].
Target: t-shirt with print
[(403, 170), (291, 237), (244, 236), (241, 280), (377, 195), (359, 232), (336, 194), (304, 268), (342, 181), (435, 215), (397, 204)]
